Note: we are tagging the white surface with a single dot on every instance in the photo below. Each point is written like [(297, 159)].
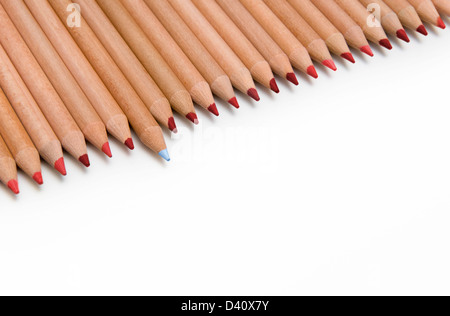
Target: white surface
[(340, 186)]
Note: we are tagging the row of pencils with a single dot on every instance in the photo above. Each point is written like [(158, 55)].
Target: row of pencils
[(72, 71)]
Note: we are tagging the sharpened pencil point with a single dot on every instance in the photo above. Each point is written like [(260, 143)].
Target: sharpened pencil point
[(164, 154), (441, 23), (367, 50), (234, 102), (13, 185), (38, 178), (312, 72), (85, 160), (213, 109), (193, 118), (253, 93), (422, 30), (291, 77), (172, 125), (60, 166), (401, 34), (330, 64), (386, 43), (129, 143), (107, 150), (349, 57), (274, 86)]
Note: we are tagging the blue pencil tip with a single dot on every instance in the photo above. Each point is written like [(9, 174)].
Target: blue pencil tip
[(165, 154)]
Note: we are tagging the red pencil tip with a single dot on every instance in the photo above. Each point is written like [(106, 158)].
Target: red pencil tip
[(107, 150), (38, 178), (312, 72), (349, 57), (193, 118), (386, 44), (330, 64), (253, 94), (129, 143), (441, 23), (274, 86), (234, 102), (401, 34), (367, 50), (292, 78), (213, 109), (85, 160), (422, 30), (172, 125), (60, 166), (13, 185)]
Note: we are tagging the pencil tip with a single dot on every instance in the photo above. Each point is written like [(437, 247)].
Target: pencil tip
[(213, 109), (330, 64), (441, 23), (349, 57), (164, 154), (367, 50), (312, 72), (107, 150), (253, 93), (422, 30), (13, 185), (386, 43), (38, 178), (129, 143), (274, 86), (401, 34), (85, 160), (60, 166), (234, 102), (292, 78), (172, 125), (193, 118)]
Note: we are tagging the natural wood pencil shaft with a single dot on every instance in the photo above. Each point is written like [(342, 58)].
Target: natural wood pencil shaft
[(188, 58), (388, 18), (443, 6), (239, 75), (43, 92), (319, 22), (107, 108), (62, 80), (406, 13), (8, 168), (17, 139), (276, 57), (426, 10), (28, 111), (343, 22), (128, 63), (247, 52), (140, 118)]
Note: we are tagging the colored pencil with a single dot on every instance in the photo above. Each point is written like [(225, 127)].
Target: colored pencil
[(236, 40), (43, 92), (8, 168), (305, 34), (34, 122), (129, 64), (352, 32), (443, 6), (388, 18), (326, 30), (18, 141), (407, 15), (276, 57), (240, 76), (297, 53), (140, 118), (427, 12), (361, 16), (185, 61), (62, 80), (107, 108)]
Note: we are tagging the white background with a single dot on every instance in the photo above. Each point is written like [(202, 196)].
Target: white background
[(339, 186)]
